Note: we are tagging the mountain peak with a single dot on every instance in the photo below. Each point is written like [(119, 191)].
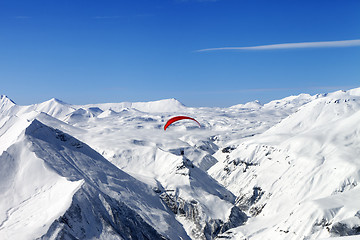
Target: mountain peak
[(6, 103), (54, 107), (354, 91), (103, 181), (55, 100), (165, 105), (4, 98), (175, 101), (34, 126), (172, 101)]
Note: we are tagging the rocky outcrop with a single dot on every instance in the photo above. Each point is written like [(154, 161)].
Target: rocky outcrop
[(94, 215)]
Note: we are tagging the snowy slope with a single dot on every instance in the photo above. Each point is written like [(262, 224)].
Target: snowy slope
[(54, 107), (32, 195), (300, 178), (166, 105), (5, 104), (252, 105), (44, 169)]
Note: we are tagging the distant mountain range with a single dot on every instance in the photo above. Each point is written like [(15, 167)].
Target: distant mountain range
[(287, 169)]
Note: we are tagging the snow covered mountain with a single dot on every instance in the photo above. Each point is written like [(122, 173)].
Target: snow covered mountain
[(299, 179), (288, 169)]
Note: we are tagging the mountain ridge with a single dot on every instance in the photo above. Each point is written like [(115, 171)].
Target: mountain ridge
[(287, 169)]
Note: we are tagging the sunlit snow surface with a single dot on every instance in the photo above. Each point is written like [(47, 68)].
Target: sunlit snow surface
[(32, 195), (291, 165)]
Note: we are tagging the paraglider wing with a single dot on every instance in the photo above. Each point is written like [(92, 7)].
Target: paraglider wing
[(177, 118)]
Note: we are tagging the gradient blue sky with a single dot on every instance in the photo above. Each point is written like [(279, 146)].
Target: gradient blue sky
[(86, 51)]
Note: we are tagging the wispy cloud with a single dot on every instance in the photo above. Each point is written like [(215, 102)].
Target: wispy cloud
[(328, 44)]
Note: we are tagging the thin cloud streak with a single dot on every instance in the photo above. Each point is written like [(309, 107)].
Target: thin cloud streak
[(328, 44)]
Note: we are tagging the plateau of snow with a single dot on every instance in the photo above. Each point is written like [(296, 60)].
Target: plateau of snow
[(287, 169)]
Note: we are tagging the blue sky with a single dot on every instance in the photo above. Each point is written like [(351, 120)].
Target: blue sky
[(86, 51)]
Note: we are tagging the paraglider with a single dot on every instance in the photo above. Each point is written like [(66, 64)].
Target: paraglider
[(177, 118)]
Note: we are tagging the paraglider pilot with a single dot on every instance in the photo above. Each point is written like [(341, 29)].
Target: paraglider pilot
[(182, 152)]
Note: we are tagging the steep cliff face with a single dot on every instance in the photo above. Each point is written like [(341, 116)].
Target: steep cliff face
[(192, 195), (95, 215)]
